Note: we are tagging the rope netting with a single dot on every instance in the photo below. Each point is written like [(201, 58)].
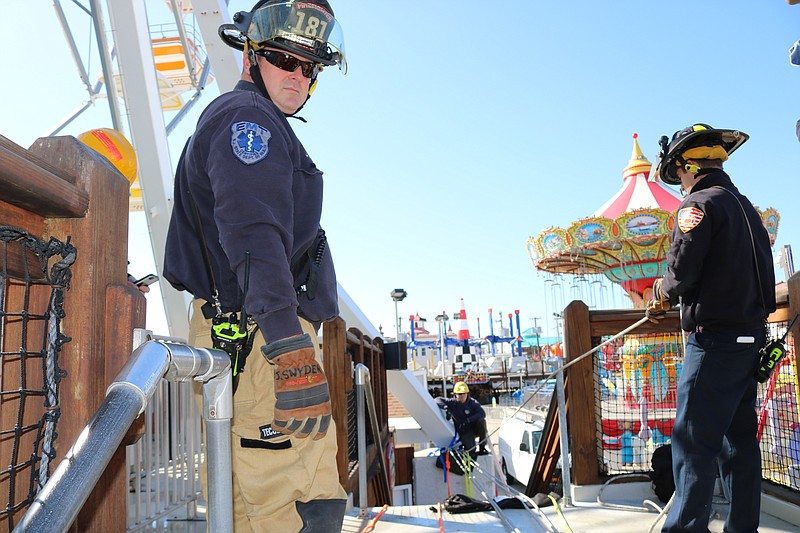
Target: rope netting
[(635, 382), (635, 399), (779, 418), (33, 277)]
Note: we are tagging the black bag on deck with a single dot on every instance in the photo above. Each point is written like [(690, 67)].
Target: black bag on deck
[(459, 503), (661, 475)]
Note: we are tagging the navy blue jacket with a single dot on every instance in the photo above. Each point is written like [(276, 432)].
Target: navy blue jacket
[(256, 190), (466, 413), (710, 262)]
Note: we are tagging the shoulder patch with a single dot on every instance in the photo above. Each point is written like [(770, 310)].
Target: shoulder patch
[(689, 218), (250, 142)]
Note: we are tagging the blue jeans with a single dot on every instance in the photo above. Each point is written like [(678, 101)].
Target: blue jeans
[(716, 418)]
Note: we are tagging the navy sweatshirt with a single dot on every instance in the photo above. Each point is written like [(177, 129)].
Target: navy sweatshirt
[(711, 260), (257, 190), (466, 413)]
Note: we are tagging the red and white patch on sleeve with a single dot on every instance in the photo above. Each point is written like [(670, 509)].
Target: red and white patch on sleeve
[(689, 218)]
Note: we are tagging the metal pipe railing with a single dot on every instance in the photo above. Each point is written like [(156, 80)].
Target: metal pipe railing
[(364, 396), (58, 503), (217, 412)]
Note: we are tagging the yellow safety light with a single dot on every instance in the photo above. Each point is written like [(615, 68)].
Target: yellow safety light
[(113, 146)]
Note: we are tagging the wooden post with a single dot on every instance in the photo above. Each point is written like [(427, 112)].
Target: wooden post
[(384, 398), (580, 390), (98, 297), (60, 188), (338, 370), (112, 488), (794, 302), (793, 285)]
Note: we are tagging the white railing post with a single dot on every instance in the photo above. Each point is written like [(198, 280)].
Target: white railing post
[(365, 405), (217, 413), (362, 442)]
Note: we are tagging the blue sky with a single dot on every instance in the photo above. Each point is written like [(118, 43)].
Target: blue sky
[(463, 128)]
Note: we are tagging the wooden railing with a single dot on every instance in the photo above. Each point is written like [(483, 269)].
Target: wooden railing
[(60, 188), (342, 350)]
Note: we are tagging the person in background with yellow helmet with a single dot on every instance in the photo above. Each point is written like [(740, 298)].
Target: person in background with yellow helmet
[(719, 266), (468, 417), (245, 241)]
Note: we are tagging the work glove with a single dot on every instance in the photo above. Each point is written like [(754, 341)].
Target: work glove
[(657, 307), (303, 401)]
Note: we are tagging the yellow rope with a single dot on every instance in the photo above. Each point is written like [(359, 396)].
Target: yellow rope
[(558, 510)]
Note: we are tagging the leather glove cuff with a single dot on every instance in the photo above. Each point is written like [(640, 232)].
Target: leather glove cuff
[(278, 348)]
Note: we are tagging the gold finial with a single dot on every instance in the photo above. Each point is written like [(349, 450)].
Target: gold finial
[(638, 163)]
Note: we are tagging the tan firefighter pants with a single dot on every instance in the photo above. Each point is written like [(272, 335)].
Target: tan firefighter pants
[(270, 472)]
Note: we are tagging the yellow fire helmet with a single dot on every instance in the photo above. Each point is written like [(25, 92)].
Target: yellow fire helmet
[(460, 388), (113, 146)]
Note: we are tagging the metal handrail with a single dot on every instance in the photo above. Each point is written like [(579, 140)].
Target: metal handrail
[(58, 503), (364, 395)]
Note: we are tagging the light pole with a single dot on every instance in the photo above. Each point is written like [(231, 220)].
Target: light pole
[(558, 325), (442, 320), (536, 331), (398, 295)]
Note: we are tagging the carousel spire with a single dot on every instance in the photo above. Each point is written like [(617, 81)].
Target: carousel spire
[(638, 163)]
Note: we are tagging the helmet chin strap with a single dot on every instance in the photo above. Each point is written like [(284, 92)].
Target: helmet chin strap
[(255, 75)]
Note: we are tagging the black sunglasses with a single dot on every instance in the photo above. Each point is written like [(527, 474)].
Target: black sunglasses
[(289, 63)]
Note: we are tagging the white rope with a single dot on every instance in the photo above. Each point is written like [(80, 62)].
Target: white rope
[(564, 367), (462, 458), (51, 388)]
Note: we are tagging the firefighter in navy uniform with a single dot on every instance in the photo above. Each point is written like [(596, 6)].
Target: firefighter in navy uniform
[(720, 267), (244, 240), (468, 417)]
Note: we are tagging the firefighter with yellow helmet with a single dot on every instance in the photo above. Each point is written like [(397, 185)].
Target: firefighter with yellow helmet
[(468, 417), (719, 267), (245, 241)]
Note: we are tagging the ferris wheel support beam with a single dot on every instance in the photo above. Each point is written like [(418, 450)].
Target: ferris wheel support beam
[(106, 58), (143, 102), (226, 62), (105, 62), (176, 12), (73, 48)]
